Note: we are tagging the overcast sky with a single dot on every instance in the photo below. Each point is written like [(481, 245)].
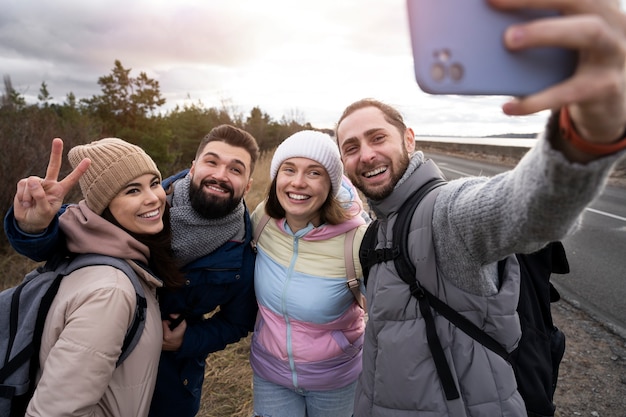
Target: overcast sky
[(302, 58)]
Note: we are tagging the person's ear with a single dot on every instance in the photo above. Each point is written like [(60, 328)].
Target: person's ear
[(409, 140), (248, 187)]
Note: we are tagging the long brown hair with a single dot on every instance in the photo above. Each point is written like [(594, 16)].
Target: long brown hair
[(161, 260)]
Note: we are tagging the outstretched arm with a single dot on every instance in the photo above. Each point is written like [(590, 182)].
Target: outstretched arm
[(595, 95)]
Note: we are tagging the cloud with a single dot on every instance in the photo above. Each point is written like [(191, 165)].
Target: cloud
[(311, 57)]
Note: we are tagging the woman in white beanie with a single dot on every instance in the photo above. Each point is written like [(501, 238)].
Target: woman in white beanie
[(124, 215), (306, 346)]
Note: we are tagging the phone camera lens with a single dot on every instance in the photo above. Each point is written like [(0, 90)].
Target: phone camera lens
[(456, 72), (438, 72)]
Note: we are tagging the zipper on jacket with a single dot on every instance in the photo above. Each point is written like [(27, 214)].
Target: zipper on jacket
[(292, 264)]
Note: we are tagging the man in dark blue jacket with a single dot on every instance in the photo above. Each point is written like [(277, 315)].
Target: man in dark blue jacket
[(211, 240)]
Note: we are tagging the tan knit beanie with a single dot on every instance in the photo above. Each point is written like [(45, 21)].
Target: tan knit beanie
[(114, 163)]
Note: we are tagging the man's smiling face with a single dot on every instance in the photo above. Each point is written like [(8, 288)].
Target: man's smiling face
[(220, 178), (374, 152)]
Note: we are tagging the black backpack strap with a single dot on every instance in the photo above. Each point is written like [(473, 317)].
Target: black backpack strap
[(406, 271), (370, 256), (403, 264), (560, 265), (367, 255), (135, 329), (426, 300)]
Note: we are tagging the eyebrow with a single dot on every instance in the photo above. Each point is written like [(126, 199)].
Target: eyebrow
[(373, 131), (311, 165), (367, 133), (137, 184), (232, 161)]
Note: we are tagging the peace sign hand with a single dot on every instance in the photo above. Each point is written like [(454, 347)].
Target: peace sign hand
[(38, 200)]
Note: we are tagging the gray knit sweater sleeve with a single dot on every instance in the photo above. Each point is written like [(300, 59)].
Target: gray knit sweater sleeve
[(478, 221)]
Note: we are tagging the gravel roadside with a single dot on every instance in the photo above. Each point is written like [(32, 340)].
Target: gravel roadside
[(592, 375)]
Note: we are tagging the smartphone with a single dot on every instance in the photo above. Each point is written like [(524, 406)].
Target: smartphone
[(458, 48)]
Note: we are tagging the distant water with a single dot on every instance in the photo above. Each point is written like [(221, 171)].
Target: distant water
[(523, 143)]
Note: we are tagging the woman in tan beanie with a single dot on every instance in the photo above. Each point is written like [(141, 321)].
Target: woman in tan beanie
[(124, 215)]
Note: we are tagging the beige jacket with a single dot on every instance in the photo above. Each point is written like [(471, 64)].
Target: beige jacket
[(85, 328)]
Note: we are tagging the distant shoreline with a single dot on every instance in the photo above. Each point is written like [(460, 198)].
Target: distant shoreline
[(520, 142), (504, 135), (505, 152)]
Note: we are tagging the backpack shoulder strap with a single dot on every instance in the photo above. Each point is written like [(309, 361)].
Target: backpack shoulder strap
[(258, 230), (406, 270), (403, 264), (25, 308), (353, 282), (369, 255), (133, 334)]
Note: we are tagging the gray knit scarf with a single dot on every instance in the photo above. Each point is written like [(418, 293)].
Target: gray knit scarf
[(193, 236)]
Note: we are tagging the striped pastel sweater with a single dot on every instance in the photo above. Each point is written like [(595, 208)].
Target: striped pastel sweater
[(309, 329)]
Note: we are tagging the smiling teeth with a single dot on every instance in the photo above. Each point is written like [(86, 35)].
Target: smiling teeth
[(150, 214), (298, 196), (375, 172), (219, 190)]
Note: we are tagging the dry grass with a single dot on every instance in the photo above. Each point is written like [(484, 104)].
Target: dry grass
[(227, 389), (260, 180), (13, 267)]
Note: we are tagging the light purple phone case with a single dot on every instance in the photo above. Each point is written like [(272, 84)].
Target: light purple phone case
[(458, 49)]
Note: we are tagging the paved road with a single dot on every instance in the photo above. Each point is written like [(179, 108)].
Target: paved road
[(597, 252)]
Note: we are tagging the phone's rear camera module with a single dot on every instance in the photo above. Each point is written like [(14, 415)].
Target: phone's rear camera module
[(456, 72), (442, 55), (438, 72)]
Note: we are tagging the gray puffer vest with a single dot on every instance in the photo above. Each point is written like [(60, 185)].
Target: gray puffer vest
[(399, 376)]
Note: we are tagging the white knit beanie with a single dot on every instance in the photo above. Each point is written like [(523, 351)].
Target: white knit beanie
[(313, 145), (114, 163)]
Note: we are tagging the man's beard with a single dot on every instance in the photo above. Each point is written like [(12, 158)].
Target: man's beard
[(379, 193), (210, 206)]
